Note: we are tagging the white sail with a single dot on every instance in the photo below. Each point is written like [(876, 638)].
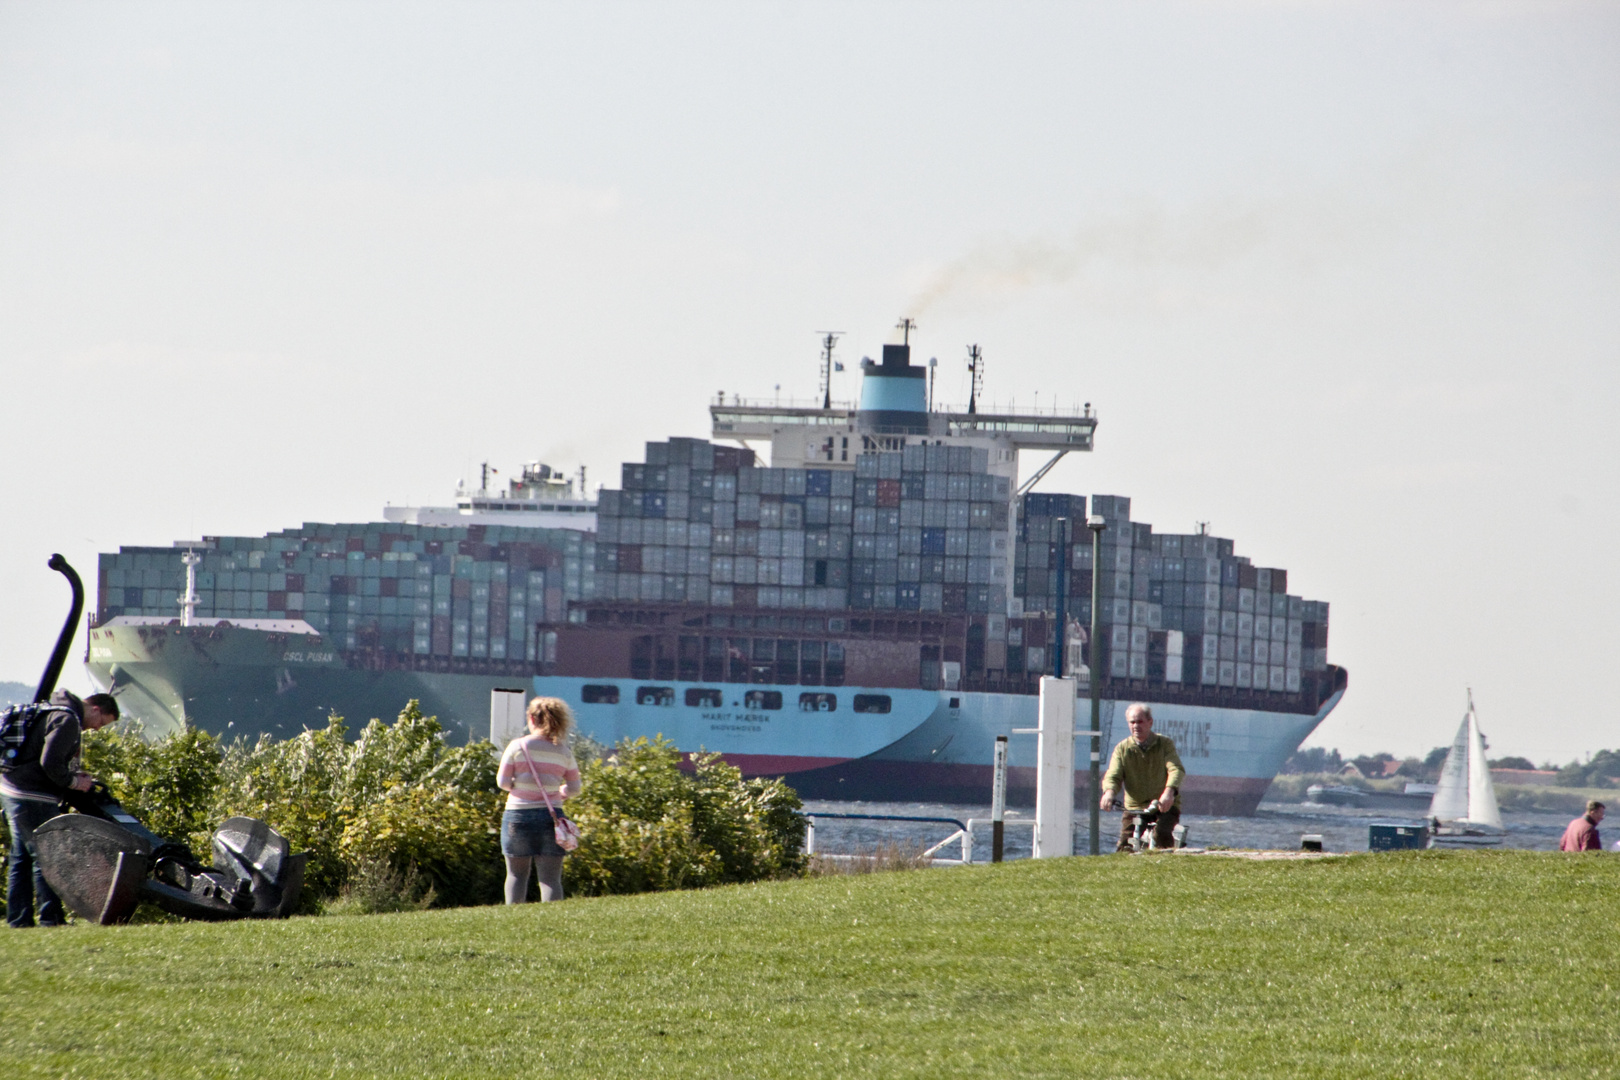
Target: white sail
[(1465, 792), (1450, 802), (1482, 808)]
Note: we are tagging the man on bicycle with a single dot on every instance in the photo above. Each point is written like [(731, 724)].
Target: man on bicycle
[(1149, 769)]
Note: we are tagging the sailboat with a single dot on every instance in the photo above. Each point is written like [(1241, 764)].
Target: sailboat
[(1464, 807)]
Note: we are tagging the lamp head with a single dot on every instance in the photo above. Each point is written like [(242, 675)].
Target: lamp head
[(1096, 522)]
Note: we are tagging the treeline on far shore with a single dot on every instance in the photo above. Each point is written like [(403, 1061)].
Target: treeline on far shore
[(1600, 770)]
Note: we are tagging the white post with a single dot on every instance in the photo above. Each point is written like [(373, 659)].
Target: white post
[(998, 800), (188, 602), (1054, 777), (508, 715)]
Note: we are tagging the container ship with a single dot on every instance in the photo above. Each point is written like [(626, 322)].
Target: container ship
[(863, 615)]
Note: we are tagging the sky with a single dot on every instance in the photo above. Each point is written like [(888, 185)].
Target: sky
[(1340, 279)]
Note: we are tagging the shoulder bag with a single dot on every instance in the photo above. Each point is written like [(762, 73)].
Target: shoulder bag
[(566, 831)]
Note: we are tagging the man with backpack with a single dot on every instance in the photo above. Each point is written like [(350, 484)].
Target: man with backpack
[(33, 782)]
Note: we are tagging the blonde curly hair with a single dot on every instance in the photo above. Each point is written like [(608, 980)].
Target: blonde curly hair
[(550, 718)]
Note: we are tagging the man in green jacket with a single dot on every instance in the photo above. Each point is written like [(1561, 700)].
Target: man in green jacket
[(1149, 769)]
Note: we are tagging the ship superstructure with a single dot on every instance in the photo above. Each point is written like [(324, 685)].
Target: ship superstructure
[(539, 497)]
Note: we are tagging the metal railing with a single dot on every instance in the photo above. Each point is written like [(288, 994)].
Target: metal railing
[(964, 834)]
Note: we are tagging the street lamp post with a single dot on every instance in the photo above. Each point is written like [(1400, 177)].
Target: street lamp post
[(1096, 524), (1058, 656)]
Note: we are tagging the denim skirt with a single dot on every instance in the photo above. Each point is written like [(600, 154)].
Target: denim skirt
[(529, 832)]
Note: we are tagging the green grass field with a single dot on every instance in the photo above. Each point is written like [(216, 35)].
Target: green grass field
[(1412, 964)]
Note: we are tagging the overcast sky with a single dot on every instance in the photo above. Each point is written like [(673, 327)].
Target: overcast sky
[(1341, 279)]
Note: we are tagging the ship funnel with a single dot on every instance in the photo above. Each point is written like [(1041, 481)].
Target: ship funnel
[(894, 394)]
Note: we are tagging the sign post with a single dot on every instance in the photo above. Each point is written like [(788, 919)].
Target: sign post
[(998, 800), (1054, 777)]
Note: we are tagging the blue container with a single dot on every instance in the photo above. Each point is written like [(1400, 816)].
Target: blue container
[(1397, 837)]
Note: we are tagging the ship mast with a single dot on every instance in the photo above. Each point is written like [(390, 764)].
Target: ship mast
[(188, 602), (827, 344), (976, 377)]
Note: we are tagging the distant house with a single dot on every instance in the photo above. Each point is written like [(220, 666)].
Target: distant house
[(1349, 769), (1527, 777)]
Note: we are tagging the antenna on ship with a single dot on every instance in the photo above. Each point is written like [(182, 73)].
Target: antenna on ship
[(1203, 528), (906, 326), (933, 362), (976, 377), (827, 342)]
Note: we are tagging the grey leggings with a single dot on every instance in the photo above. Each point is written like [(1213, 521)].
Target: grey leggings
[(547, 867)]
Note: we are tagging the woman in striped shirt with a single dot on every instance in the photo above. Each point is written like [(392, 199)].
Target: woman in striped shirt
[(536, 762)]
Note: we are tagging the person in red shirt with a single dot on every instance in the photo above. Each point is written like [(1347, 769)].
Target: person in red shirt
[(1582, 834)]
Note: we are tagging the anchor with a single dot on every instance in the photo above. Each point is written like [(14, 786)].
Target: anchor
[(102, 861)]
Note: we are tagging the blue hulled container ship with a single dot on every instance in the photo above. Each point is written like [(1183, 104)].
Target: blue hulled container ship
[(863, 616)]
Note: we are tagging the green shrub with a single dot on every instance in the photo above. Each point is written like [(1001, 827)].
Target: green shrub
[(398, 795), (647, 825), (397, 819), (397, 801), (447, 836), (171, 785)]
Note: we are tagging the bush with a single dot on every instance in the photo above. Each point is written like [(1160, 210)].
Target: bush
[(431, 829), (398, 820), (398, 803), (648, 825), (171, 785), (398, 795)]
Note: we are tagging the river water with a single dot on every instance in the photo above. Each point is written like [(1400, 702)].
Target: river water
[(1275, 827)]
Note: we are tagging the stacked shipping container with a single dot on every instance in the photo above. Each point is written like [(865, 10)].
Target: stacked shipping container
[(475, 592), (923, 529), (1178, 609)]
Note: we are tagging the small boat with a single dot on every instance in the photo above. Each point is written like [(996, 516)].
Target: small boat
[(1463, 812), (1335, 795)]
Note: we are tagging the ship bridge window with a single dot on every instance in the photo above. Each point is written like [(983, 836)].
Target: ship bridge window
[(762, 699), (702, 697), (599, 695), (873, 703), (818, 702), (655, 695)]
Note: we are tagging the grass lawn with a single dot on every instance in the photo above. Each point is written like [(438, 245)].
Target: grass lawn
[(1413, 964)]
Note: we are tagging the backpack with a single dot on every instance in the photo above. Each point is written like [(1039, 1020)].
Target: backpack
[(17, 722)]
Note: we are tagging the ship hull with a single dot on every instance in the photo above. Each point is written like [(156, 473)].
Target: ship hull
[(928, 745), (943, 741), (235, 682)]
